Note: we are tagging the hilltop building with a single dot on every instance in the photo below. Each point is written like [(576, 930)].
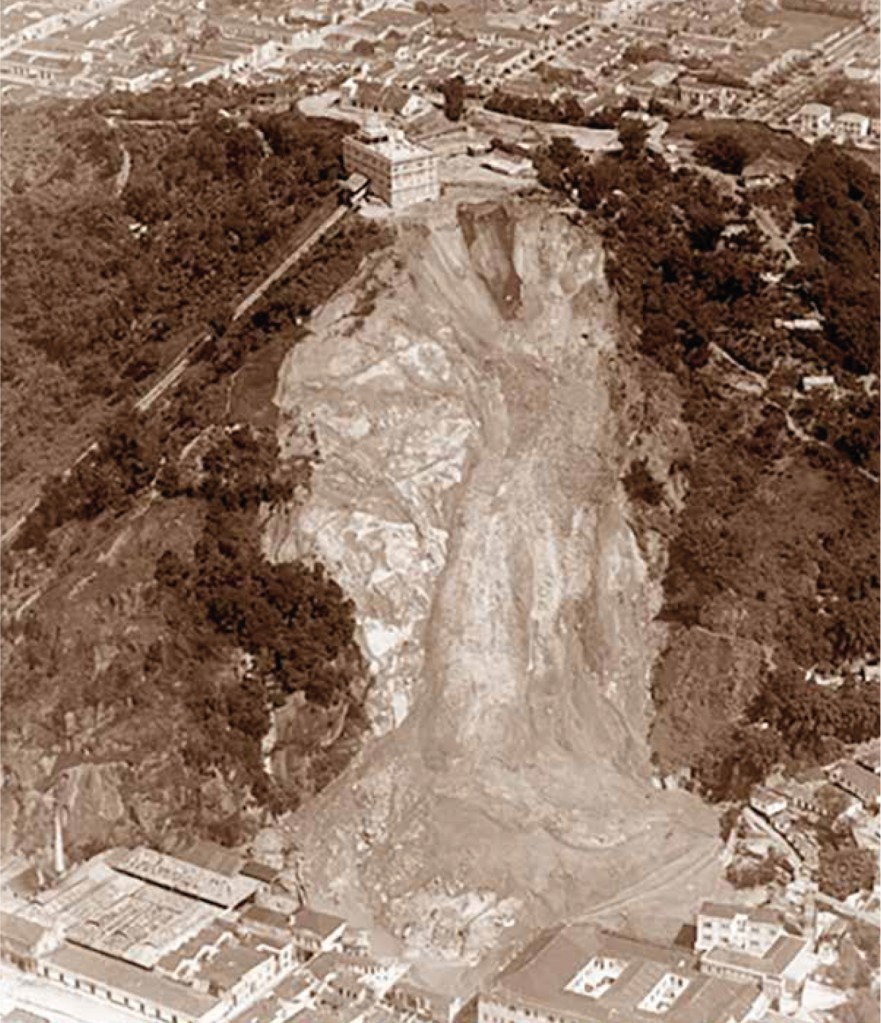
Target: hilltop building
[(399, 171)]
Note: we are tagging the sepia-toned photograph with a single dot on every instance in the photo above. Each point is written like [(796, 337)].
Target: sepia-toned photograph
[(439, 511)]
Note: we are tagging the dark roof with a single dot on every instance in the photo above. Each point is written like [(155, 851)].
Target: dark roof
[(210, 855), (18, 934), (390, 98), (265, 917), (859, 779), (259, 871), (322, 925)]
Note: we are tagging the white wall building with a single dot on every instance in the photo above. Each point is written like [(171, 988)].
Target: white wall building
[(399, 171), (815, 119)]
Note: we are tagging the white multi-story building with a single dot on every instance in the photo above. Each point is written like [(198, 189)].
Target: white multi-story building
[(729, 926), (852, 126), (815, 119), (399, 171)]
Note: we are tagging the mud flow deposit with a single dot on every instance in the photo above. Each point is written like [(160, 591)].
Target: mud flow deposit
[(470, 404)]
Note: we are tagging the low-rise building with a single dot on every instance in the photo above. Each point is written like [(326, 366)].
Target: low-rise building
[(390, 100), (399, 171), (851, 126), (750, 945), (856, 780), (767, 801), (725, 925), (815, 119), (596, 977), (316, 932)]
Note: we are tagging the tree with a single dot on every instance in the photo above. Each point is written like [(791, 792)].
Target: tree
[(845, 871), (453, 91), (724, 152), (632, 133)]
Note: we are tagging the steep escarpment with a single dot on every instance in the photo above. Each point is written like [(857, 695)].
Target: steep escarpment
[(474, 428)]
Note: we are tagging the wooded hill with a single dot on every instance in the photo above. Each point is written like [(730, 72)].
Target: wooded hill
[(154, 608), (774, 560)]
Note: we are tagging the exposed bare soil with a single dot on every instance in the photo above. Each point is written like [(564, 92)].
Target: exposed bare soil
[(475, 416)]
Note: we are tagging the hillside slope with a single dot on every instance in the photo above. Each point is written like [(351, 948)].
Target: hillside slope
[(473, 435)]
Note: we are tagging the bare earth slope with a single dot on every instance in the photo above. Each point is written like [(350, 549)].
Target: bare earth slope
[(473, 422)]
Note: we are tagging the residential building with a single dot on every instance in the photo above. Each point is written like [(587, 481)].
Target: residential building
[(390, 100), (316, 932), (814, 119), (767, 801), (399, 171), (850, 126), (856, 780)]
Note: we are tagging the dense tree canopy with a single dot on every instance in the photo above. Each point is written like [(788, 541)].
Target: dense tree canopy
[(778, 538)]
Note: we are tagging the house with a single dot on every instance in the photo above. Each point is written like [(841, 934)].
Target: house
[(869, 756), (711, 96), (856, 780), (763, 172), (767, 801), (387, 20), (316, 932), (850, 126), (650, 79), (22, 941), (817, 383), (814, 119), (382, 99), (510, 166), (799, 795), (407, 997)]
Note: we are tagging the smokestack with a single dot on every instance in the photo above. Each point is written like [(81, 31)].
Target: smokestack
[(59, 842)]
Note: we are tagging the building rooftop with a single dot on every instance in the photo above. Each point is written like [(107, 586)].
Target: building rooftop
[(264, 917), (544, 977), (187, 878), (815, 110), (773, 963), (729, 910), (98, 968), (322, 925), (390, 143), (230, 964), (859, 779), (259, 871), (19, 934)]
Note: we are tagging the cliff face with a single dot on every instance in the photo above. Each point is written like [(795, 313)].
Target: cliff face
[(474, 415)]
